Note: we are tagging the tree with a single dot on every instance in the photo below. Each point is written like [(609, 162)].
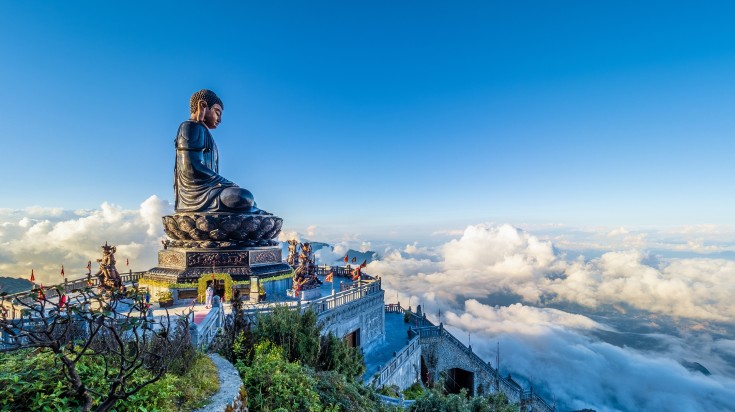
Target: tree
[(274, 384), (104, 327), (300, 336)]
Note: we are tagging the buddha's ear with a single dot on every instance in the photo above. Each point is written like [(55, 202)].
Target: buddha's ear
[(201, 110)]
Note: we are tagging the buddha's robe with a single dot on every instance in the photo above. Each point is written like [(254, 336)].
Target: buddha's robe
[(197, 183)]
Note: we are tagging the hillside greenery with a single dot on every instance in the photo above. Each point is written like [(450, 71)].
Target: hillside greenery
[(33, 380)]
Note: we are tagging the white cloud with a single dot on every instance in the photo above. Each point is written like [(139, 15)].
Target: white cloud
[(43, 239), (555, 351), (365, 246)]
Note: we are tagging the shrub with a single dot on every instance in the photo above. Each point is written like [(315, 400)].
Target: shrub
[(273, 384)]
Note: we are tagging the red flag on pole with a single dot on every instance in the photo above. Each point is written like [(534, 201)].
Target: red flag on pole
[(41, 295), (356, 273), (89, 266), (33, 277), (347, 259), (363, 264), (354, 259), (62, 271), (329, 277), (127, 262), (62, 300)]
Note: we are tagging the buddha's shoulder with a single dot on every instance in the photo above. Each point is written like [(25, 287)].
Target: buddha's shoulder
[(194, 132), (190, 127)]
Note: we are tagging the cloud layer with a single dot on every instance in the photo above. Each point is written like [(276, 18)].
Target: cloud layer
[(43, 239), (501, 284)]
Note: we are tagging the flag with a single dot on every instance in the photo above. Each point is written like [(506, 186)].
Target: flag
[(41, 295), (356, 273), (347, 259), (363, 264), (329, 277), (62, 271), (33, 277), (354, 259), (62, 300), (89, 266), (127, 262)]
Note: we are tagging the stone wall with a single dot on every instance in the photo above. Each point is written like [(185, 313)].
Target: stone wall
[(441, 351), (366, 314), (440, 354)]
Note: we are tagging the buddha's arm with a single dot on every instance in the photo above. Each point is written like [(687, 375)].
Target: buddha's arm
[(191, 144)]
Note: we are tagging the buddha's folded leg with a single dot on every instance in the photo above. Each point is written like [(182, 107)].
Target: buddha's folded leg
[(237, 198)]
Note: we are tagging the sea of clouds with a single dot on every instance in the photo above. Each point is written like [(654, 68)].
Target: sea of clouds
[(611, 327), (43, 239), (609, 333)]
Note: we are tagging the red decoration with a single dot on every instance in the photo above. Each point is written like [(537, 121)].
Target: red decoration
[(62, 271), (33, 277)]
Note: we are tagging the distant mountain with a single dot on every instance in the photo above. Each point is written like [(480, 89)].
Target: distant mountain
[(318, 245), (14, 285), (360, 257), (695, 367)]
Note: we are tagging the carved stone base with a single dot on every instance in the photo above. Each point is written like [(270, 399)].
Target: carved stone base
[(181, 265)]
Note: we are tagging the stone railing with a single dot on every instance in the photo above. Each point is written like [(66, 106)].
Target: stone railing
[(203, 334), (399, 359), (71, 285), (405, 403), (342, 271), (68, 286), (327, 303), (366, 287)]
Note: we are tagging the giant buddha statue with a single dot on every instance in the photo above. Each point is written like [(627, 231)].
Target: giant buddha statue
[(198, 186), (211, 211)]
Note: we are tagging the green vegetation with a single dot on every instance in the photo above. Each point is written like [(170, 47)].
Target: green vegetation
[(202, 285), (149, 283), (273, 383), (436, 399), (286, 364), (32, 380), (288, 275), (301, 339)]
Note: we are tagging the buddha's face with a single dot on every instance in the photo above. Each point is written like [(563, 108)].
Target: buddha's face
[(213, 116)]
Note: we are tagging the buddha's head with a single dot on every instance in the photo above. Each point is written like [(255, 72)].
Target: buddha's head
[(207, 108)]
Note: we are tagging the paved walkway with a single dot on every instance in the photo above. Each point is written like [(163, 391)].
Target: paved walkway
[(229, 385)]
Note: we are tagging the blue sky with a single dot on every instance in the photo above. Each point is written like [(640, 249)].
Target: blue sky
[(381, 115)]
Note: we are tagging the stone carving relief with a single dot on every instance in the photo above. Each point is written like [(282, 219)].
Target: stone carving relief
[(265, 256), (217, 259), (171, 259)]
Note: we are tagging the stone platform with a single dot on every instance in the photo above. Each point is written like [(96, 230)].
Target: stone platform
[(181, 265)]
